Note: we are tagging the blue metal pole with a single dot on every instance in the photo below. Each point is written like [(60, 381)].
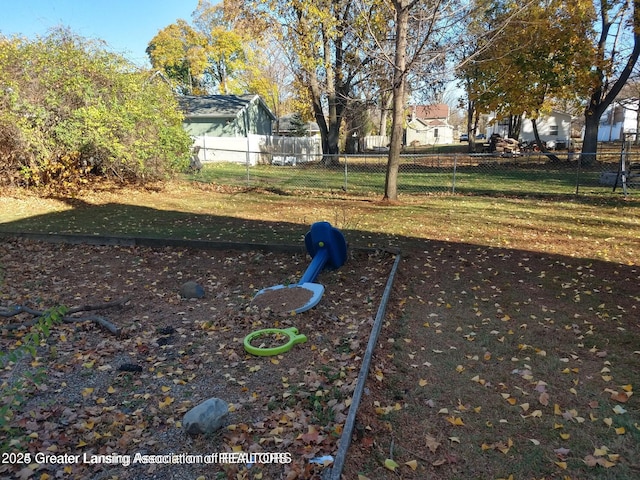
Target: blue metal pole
[(315, 267)]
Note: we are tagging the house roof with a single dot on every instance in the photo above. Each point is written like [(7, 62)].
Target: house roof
[(421, 123), (439, 110), (218, 106)]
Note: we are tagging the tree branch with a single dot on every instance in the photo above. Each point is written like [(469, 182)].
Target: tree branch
[(8, 312)]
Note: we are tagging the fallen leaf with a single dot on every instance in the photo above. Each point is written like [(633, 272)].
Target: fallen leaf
[(432, 443), (544, 399), (621, 397), (389, 464), (619, 410), (412, 464), (599, 452), (590, 461), (87, 391), (455, 421)]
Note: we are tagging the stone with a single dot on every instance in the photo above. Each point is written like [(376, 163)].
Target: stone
[(206, 417), (191, 290)]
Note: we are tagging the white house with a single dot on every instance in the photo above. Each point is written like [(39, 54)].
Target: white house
[(619, 118), (553, 127), (429, 125)]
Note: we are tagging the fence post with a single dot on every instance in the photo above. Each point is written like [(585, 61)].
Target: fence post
[(248, 161), (455, 167), (346, 157), (578, 174)]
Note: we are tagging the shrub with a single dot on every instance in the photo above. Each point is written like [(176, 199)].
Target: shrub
[(71, 110)]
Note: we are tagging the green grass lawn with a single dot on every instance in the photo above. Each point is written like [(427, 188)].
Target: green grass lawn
[(365, 176)]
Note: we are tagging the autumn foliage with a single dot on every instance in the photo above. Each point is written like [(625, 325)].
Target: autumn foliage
[(70, 111)]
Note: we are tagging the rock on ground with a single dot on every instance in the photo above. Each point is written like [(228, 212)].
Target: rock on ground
[(191, 290), (206, 417)]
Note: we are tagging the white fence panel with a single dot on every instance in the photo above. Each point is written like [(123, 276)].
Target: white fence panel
[(373, 142), (257, 148)]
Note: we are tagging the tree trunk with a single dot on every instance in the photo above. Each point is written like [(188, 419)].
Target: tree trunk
[(515, 125), (397, 123), (472, 124), (331, 155), (386, 102), (600, 100), (541, 146), (590, 142)]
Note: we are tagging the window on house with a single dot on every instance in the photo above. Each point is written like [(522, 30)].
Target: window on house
[(435, 133), (553, 130)]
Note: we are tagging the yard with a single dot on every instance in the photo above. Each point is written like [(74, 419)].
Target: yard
[(509, 347)]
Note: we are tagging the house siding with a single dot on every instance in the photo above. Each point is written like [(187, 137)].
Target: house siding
[(211, 127), (555, 126), (617, 120), (418, 133), (231, 121)]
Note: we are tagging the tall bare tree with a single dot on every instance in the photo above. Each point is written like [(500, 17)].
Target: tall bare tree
[(423, 32)]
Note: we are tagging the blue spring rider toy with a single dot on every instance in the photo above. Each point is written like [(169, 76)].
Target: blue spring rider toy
[(328, 249)]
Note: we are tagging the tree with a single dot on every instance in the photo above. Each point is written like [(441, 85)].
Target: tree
[(212, 55), (73, 110), (327, 57), (613, 64), (529, 56), (422, 32), (180, 52)]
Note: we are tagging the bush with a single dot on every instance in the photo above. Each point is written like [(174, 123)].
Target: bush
[(71, 110)]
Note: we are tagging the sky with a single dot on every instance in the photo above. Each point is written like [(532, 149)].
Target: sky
[(126, 26)]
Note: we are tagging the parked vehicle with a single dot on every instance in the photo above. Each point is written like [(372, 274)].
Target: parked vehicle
[(464, 137)]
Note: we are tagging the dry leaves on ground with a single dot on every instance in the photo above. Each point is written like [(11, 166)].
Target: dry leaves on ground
[(187, 351)]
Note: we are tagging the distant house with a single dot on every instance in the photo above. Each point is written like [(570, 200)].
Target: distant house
[(429, 125), (619, 118), (226, 115), (553, 127)]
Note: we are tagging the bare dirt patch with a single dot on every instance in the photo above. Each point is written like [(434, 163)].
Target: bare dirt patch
[(95, 400), (283, 300)]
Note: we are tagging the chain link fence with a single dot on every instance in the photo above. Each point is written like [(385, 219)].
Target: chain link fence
[(528, 174)]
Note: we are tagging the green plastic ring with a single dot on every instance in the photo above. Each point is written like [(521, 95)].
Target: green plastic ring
[(291, 332)]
